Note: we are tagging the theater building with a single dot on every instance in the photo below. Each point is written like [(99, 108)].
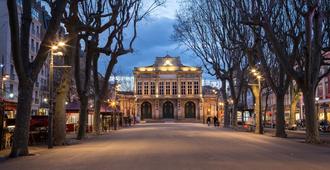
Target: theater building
[(170, 90)]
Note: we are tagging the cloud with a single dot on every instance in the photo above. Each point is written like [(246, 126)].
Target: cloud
[(153, 40)]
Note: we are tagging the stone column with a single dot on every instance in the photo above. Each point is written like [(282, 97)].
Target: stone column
[(138, 109), (179, 110), (157, 109), (201, 113)]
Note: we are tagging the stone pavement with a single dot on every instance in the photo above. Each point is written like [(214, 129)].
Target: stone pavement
[(178, 146)]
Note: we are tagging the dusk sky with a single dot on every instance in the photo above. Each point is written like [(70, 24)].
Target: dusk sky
[(154, 40)]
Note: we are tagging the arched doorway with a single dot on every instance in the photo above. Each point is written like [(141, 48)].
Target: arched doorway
[(168, 110), (190, 110), (146, 112)]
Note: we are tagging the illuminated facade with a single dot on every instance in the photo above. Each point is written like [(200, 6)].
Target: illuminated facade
[(170, 90)]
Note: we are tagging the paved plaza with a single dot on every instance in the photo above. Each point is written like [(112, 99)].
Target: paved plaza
[(177, 146)]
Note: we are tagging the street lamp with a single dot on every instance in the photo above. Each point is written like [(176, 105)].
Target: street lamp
[(51, 79), (221, 104), (317, 107), (11, 95)]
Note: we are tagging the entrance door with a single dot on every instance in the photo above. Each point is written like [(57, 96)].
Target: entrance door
[(168, 110), (190, 110), (146, 112)]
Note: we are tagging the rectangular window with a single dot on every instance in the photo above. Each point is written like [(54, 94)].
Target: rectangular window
[(36, 97), (11, 88), (174, 88), (183, 88), (38, 31), (146, 88), (168, 88), (189, 87), (32, 45), (32, 28), (37, 46), (161, 88), (196, 87), (139, 88), (152, 88), (12, 72)]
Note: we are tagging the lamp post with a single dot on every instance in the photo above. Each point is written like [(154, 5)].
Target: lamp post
[(221, 104), (51, 79), (317, 107), (114, 118)]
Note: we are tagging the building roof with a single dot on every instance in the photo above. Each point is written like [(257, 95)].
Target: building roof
[(167, 63)]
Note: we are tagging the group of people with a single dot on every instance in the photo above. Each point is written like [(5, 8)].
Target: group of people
[(215, 121)]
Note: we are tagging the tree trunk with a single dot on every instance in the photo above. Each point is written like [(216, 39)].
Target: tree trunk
[(234, 115), (257, 110), (97, 119), (293, 108), (312, 132), (266, 108), (22, 124), (280, 119), (83, 114), (64, 86), (224, 96), (60, 112)]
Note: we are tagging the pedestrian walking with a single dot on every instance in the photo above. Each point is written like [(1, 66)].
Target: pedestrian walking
[(215, 121), (129, 120), (208, 120)]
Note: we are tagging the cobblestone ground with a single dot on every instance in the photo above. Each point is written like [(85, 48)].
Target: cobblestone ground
[(177, 146)]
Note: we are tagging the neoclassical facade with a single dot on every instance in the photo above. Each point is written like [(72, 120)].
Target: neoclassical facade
[(169, 90)]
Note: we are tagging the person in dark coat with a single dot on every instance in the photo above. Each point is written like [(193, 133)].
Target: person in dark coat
[(215, 119), (208, 120), (129, 120)]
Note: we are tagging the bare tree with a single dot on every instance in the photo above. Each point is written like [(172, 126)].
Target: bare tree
[(297, 30), (129, 13), (203, 28), (27, 71), (278, 82), (71, 23), (295, 96)]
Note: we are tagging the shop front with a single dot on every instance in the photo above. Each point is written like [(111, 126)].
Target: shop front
[(72, 113), (7, 122)]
